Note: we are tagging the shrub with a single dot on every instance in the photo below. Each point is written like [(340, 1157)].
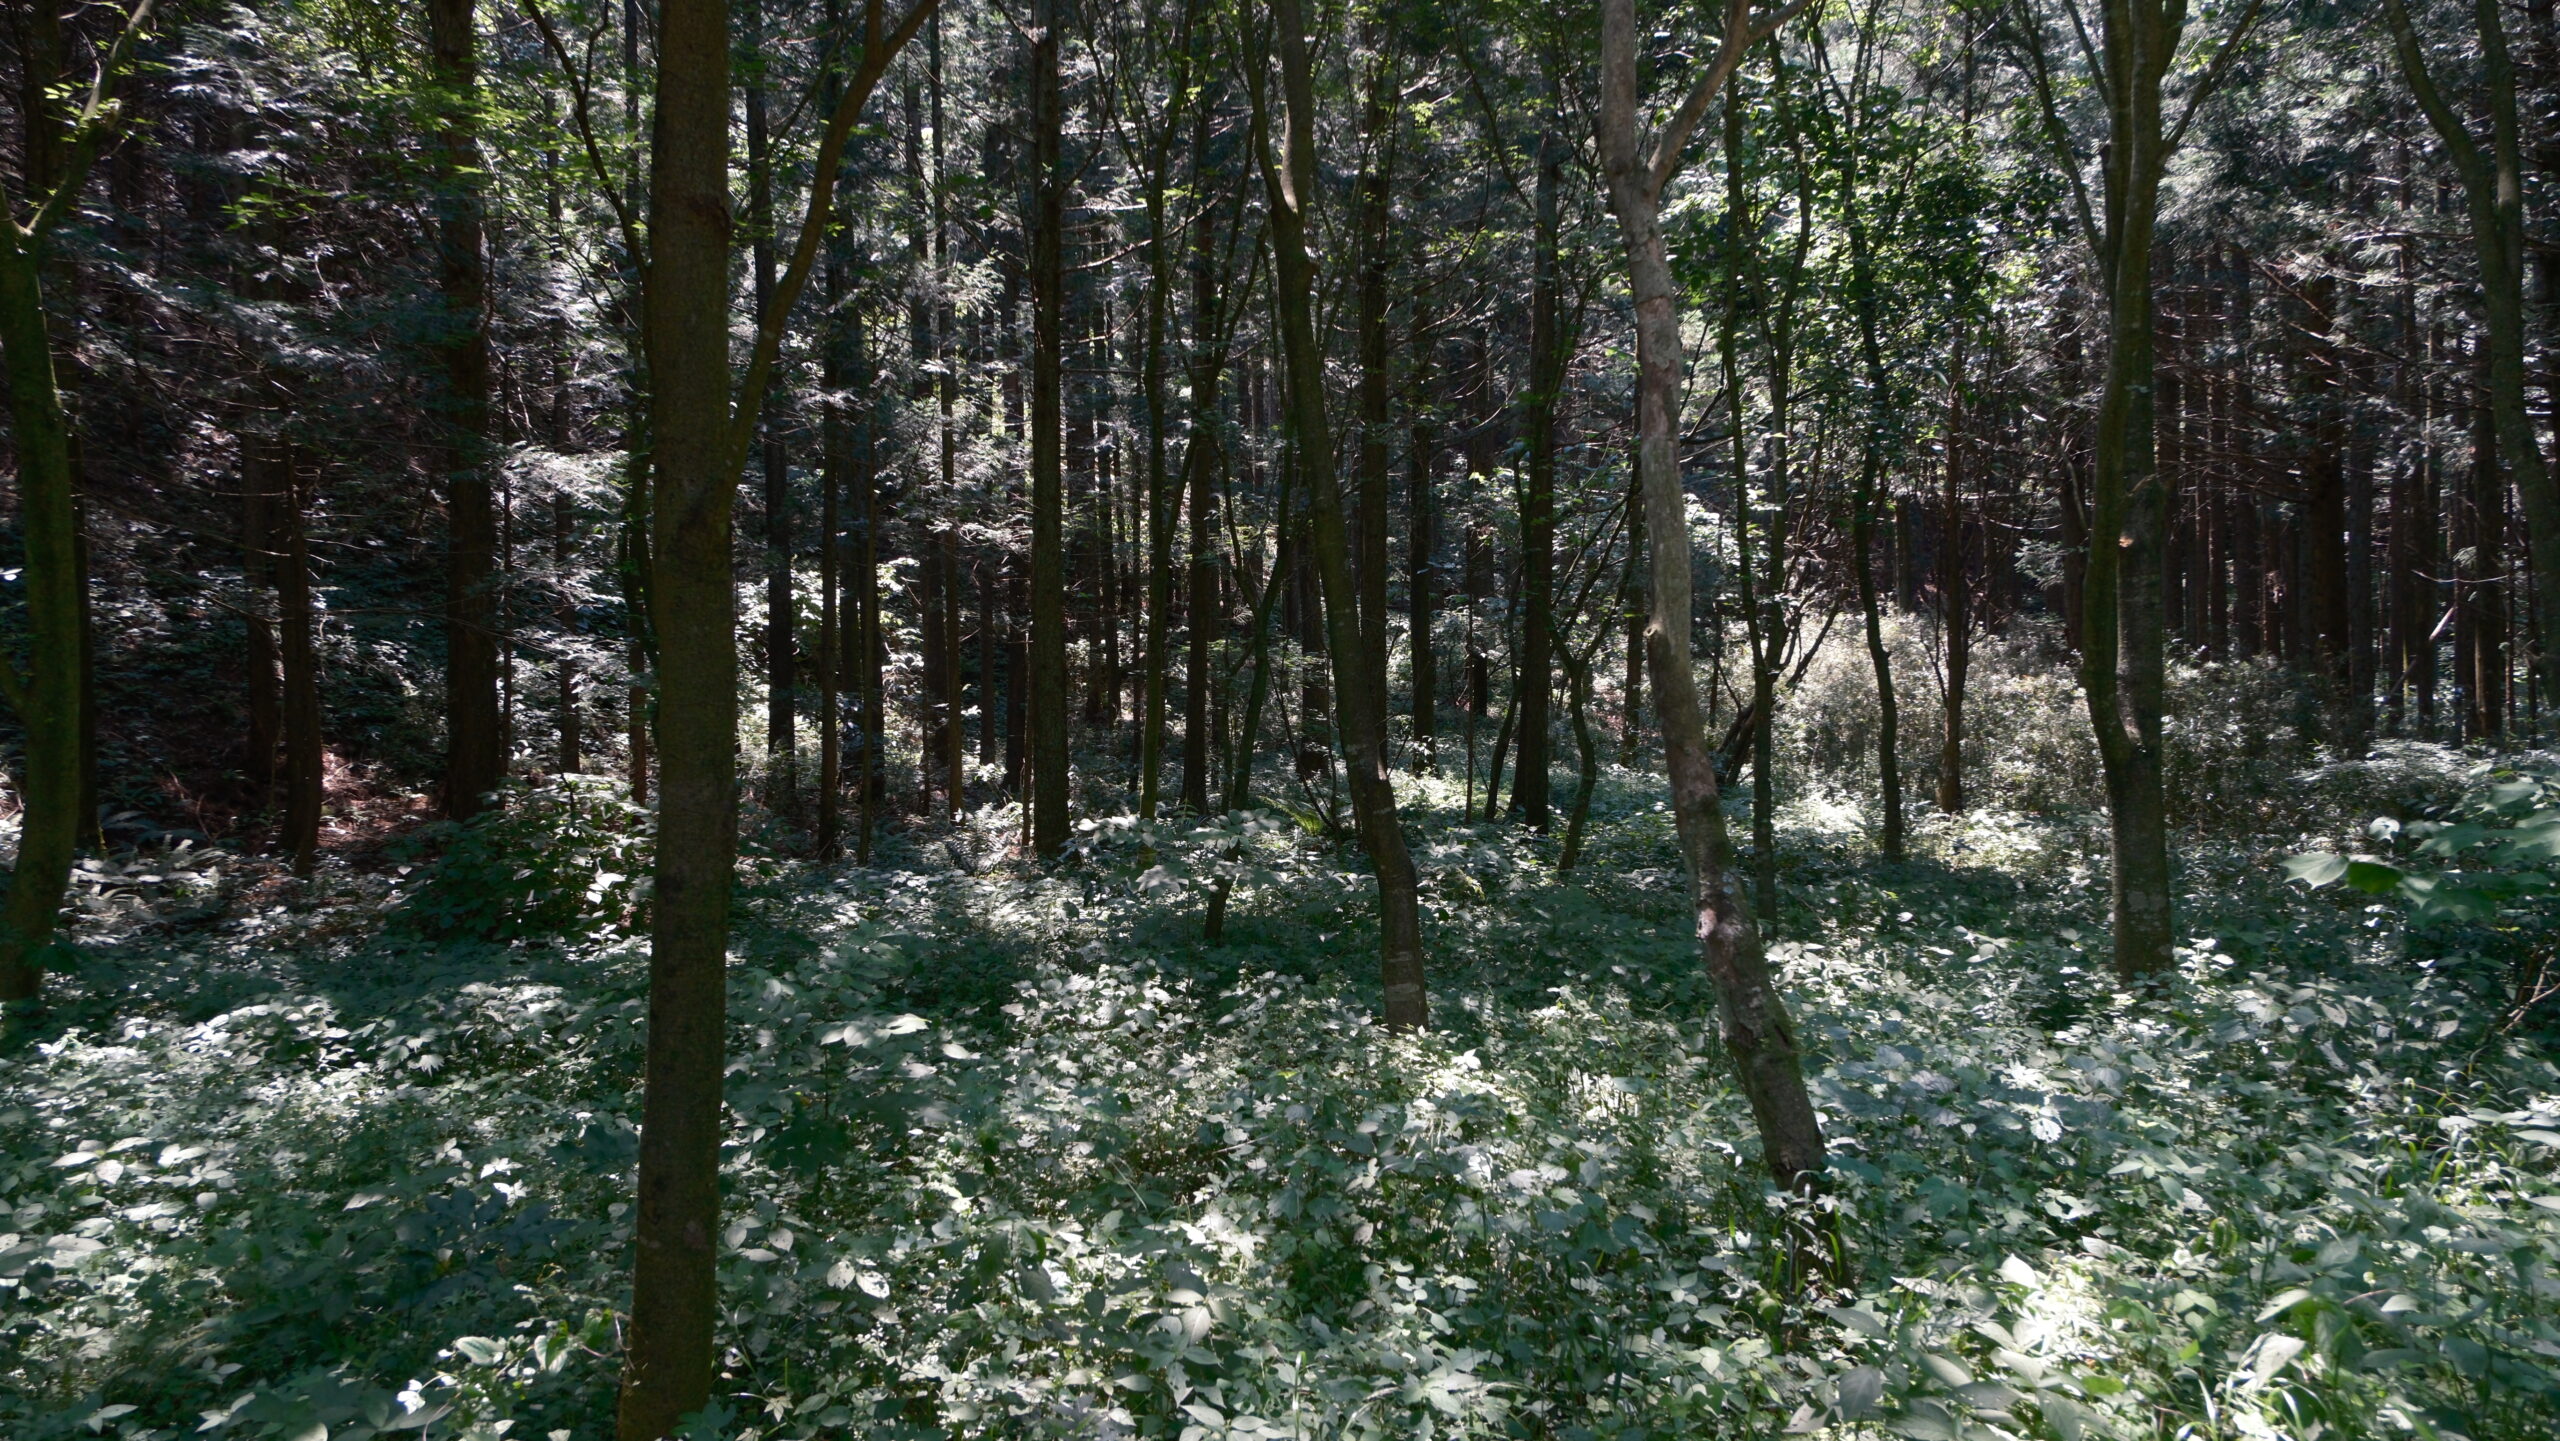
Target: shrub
[(563, 857)]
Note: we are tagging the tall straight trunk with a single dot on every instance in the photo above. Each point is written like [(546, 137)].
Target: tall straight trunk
[(298, 628), (1955, 586), (1422, 575), (1535, 674), (1862, 508), (1163, 494), (1370, 220), (2493, 192), (1762, 581), (1048, 478), (1632, 602), (261, 491), (632, 548), (2324, 484), (1757, 1034), (668, 1354), (869, 646), (781, 630), (834, 463), (475, 762), (1361, 709), (1201, 464), (2122, 670), (949, 754)]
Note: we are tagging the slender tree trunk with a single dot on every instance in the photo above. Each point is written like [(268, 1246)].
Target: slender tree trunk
[(1291, 183), (51, 696), (1955, 586), (1371, 217), (2493, 190), (835, 462), (1757, 1034), (1862, 510), (304, 761), (2123, 669), (1535, 675), (781, 629), (1163, 497), (261, 488), (1201, 463), (1048, 479), (668, 1353), (475, 762)]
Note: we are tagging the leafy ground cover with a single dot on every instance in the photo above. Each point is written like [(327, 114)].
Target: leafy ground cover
[(1020, 1156)]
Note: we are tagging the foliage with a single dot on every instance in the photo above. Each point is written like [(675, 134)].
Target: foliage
[(567, 856), (1017, 1156)]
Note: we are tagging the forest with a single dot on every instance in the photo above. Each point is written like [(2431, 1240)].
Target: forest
[(1226, 719)]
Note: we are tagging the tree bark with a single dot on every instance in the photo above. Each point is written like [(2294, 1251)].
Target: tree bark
[(1757, 1034), (781, 628), (668, 1351), (1362, 716), (1535, 673), (1048, 479), (475, 762), (2493, 191), (298, 626), (50, 696)]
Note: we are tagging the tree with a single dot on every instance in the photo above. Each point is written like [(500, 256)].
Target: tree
[(1289, 179), (49, 695), (701, 440), (475, 740), (1757, 1033), (1048, 481), (2122, 633), (2493, 194)]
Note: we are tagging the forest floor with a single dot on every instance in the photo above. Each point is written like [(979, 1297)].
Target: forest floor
[(1018, 1155)]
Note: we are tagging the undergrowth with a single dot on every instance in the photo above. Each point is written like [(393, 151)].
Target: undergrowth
[(1018, 1156)]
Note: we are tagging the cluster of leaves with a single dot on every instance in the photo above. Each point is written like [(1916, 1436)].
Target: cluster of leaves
[(2494, 851), (563, 857)]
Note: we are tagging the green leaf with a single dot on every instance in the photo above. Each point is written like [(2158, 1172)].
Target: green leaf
[(2373, 877), (2315, 868)]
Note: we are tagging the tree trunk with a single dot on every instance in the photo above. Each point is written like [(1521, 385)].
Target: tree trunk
[(475, 762), (1048, 479), (1955, 587), (304, 761), (1200, 460), (1381, 124), (2122, 670), (262, 487), (781, 630), (1757, 1033), (1291, 183), (668, 1353), (2493, 190), (1862, 509), (1535, 673)]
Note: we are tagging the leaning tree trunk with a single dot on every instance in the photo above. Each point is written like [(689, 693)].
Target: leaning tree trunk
[(50, 696), (1359, 708), (1757, 1033)]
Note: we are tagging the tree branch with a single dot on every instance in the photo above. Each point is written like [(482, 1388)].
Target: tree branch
[(877, 53), (98, 116)]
